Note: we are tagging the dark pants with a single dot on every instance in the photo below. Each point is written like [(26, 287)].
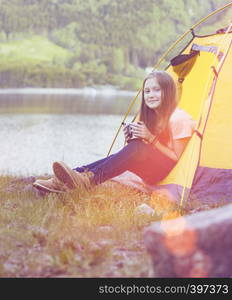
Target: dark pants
[(142, 159)]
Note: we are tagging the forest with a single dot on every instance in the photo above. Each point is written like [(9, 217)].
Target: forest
[(78, 43)]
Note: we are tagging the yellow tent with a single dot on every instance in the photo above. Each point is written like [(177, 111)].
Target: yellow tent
[(203, 72), (205, 168)]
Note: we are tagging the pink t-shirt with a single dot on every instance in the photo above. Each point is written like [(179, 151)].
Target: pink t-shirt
[(181, 124)]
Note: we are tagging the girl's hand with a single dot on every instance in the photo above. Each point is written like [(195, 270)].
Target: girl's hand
[(140, 130), (126, 132)]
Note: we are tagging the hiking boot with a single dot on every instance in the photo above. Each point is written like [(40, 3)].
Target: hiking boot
[(52, 185), (72, 179)]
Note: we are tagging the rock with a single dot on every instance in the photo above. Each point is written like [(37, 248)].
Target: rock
[(144, 209), (9, 267), (28, 188), (28, 180), (197, 245)]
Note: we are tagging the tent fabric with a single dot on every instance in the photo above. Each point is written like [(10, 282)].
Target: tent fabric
[(204, 171), (212, 185)]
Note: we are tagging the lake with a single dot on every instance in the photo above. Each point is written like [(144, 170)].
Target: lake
[(84, 101), (40, 126)]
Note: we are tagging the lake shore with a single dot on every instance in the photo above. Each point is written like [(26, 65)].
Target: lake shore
[(99, 90)]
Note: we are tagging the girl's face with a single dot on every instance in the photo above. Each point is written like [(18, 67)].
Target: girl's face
[(152, 93)]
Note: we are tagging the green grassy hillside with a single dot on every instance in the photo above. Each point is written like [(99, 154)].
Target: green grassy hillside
[(38, 62), (33, 50)]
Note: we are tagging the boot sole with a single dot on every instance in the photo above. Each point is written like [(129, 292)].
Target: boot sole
[(63, 174), (46, 189)]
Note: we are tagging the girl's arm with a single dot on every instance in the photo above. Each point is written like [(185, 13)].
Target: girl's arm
[(140, 130), (178, 148)]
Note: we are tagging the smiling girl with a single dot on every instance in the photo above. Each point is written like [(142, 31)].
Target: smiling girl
[(160, 137)]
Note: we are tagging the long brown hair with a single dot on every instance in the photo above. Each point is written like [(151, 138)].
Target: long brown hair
[(157, 120)]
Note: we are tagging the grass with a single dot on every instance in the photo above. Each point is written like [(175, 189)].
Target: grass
[(81, 234), (78, 234), (32, 50)]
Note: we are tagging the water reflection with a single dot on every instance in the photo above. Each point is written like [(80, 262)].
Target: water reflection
[(86, 101)]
